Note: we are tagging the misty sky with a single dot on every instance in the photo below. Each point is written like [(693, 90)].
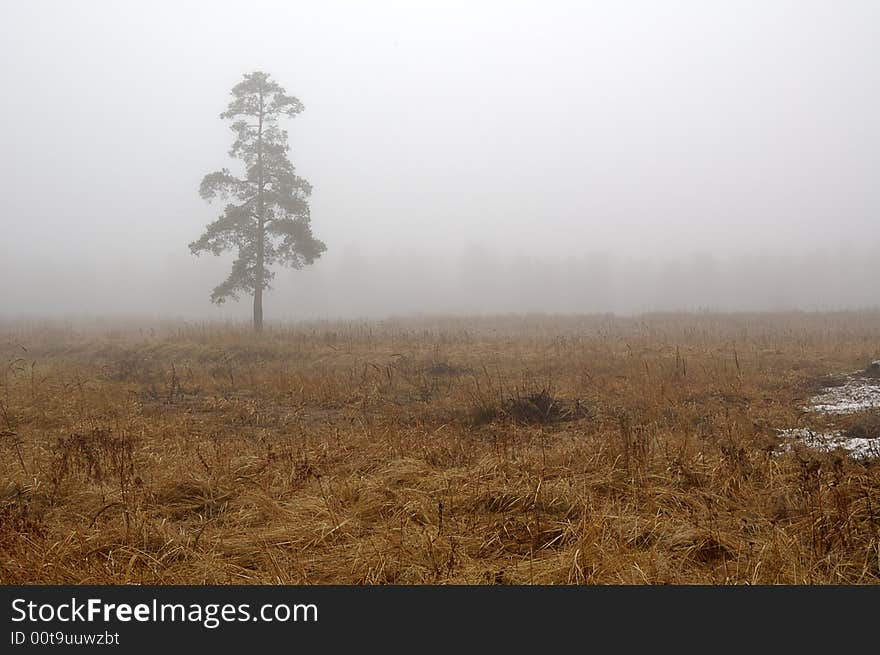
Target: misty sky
[(465, 156)]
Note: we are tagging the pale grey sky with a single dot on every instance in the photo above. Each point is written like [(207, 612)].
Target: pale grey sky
[(458, 151)]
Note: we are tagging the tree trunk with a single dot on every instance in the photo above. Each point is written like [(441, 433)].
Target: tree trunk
[(258, 310), (261, 228), (258, 300), (258, 290)]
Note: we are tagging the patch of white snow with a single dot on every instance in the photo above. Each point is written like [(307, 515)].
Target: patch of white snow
[(858, 447), (855, 395)]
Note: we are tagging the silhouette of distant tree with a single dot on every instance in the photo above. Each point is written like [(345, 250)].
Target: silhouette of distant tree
[(269, 221)]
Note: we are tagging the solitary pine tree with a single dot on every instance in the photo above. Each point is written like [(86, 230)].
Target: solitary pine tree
[(268, 220)]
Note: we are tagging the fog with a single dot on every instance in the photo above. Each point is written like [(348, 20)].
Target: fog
[(466, 157)]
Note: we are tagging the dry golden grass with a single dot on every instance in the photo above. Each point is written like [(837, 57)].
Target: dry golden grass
[(480, 451)]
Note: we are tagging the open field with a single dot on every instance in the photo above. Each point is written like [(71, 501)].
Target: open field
[(482, 451)]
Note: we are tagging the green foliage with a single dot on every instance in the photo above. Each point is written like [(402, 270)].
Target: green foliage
[(267, 217)]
